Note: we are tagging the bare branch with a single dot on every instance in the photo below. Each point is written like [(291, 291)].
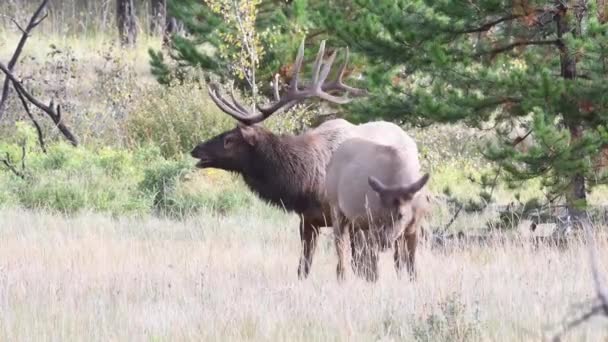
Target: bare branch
[(34, 121), (34, 21), (19, 26), (576, 322), (8, 162), (54, 112), (601, 308), (602, 293), (489, 25)]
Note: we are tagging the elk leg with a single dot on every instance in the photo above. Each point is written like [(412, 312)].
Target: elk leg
[(405, 254), (365, 255), (357, 250), (340, 236), (309, 231), (371, 260)]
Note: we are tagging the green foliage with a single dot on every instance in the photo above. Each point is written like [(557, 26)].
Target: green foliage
[(118, 181), (160, 180), (233, 39), (175, 118), (158, 67), (498, 66)]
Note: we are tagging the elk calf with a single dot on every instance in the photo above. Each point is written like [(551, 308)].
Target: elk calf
[(375, 190)]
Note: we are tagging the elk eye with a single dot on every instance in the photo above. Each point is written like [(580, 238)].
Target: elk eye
[(228, 141)]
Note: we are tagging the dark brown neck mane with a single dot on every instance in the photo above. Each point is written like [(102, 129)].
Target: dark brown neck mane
[(288, 170)]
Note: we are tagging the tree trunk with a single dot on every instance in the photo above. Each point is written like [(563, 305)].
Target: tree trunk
[(602, 10), (163, 23), (159, 13), (576, 193), (125, 19), (171, 26)]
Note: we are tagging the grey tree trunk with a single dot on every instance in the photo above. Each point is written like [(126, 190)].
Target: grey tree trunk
[(576, 193), (159, 13), (162, 22), (126, 22)]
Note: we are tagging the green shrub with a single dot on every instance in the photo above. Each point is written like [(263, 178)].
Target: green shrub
[(450, 321), (179, 116), (118, 181), (115, 163), (176, 191), (232, 199), (175, 118), (160, 180), (67, 197)]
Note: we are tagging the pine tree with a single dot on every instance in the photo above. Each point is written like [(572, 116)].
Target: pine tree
[(219, 31), (540, 65)]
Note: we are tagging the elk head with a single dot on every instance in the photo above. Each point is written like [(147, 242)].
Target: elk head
[(233, 150), (399, 202)]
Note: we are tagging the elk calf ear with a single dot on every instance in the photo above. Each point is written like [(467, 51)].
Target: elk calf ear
[(249, 133), (416, 186), (386, 196), (376, 185)]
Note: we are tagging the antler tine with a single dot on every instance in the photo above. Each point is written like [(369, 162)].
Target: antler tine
[(235, 102), (325, 70), (343, 66), (317, 66), (339, 84), (233, 109), (293, 85), (275, 86), (335, 99), (317, 88), (224, 105)]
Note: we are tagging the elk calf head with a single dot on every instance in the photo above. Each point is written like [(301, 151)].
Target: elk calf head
[(397, 202)]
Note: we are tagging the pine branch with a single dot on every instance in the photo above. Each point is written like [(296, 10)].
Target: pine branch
[(487, 26), (495, 102), (511, 46)]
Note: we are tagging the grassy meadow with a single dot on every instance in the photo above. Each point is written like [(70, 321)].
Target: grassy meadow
[(121, 239), (91, 277)]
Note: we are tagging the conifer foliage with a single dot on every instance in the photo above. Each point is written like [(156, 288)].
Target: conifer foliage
[(246, 41), (537, 66)]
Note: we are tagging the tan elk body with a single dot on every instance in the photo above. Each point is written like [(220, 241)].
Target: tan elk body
[(376, 189)]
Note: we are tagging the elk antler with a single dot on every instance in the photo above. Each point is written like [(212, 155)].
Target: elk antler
[(317, 88)]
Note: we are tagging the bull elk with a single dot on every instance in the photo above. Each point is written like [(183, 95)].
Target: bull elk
[(375, 190), (289, 170)]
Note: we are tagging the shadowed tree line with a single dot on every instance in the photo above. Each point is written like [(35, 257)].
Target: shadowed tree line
[(126, 17)]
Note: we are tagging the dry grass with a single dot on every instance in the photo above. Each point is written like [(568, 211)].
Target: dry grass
[(92, 277)]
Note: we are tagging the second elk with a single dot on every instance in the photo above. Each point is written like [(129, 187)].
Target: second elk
[(377, 193)]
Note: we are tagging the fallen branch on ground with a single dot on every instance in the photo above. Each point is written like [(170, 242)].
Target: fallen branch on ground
[(599, 306)]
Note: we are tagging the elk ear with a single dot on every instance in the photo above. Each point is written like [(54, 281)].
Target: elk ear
[(376, 185), (249, 133), (414, 188), (411, 190)]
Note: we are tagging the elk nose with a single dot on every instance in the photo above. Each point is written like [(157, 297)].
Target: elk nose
[(194, 152)]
